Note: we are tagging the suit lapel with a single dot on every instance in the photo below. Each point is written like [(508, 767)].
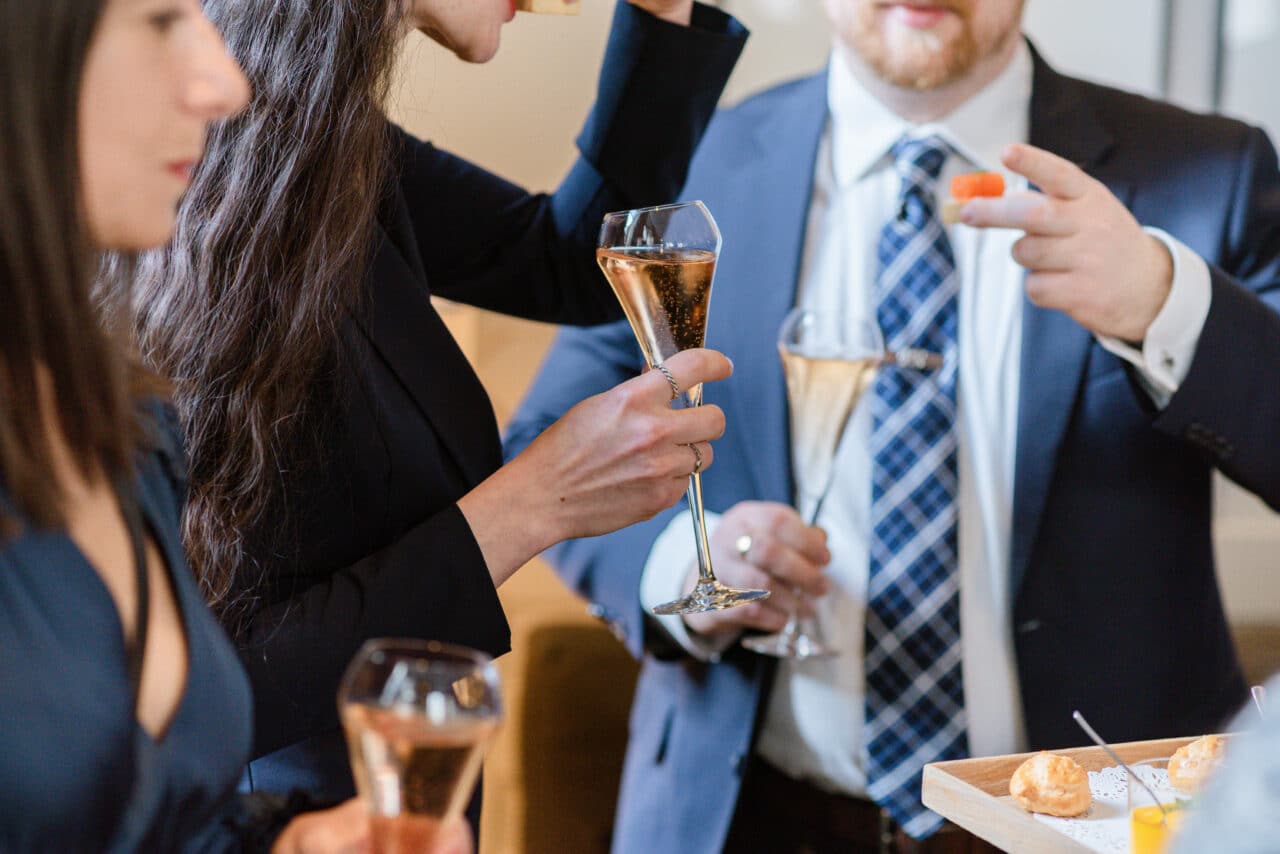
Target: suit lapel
[(1054, 347), (413, 341), (763, 201)]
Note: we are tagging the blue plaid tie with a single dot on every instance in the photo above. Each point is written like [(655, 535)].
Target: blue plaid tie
[(914, 693)]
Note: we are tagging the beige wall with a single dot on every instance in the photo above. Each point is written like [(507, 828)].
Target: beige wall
[(518, 116)]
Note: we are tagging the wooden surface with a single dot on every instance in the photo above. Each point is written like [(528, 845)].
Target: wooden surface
[(974, 793)]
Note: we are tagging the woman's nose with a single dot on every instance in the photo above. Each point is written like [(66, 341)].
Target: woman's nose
[(216, 87)]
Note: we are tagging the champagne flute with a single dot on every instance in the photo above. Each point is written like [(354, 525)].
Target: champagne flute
[(829, 365), (660, 262), (418, 717)]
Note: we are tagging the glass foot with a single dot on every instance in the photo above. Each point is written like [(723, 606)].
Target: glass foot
[(788, 645), (710, 596)]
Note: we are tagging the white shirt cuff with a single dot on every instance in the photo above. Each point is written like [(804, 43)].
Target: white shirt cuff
[(1170, 345), (673, 555)]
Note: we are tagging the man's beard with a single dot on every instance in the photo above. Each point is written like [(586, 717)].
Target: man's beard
[(918, 60)]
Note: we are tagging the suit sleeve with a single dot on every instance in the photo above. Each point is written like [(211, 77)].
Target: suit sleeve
[(606, 570), (533, 255), (295, 651), (1229, 403)]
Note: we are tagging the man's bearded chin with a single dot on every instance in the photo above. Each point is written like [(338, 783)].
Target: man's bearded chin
[(915, 60)]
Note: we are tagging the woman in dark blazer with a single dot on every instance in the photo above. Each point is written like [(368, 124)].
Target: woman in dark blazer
[(347, 478)]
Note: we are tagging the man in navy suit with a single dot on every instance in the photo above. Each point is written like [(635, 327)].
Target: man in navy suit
[(1022, 532)]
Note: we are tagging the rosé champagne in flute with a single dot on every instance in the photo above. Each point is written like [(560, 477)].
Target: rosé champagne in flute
[(418, 717), (660, 262)]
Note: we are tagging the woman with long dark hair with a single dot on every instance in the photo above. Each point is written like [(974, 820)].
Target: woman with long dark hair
[(346, 470), (124, 713)]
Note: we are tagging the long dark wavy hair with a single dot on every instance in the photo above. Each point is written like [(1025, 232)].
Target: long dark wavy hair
[(55, 357), (242, 312)]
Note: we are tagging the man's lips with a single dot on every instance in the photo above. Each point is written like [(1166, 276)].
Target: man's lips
[(919, 15)]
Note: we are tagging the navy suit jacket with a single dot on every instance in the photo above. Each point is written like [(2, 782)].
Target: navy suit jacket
[(1116, 610), (370, 542)]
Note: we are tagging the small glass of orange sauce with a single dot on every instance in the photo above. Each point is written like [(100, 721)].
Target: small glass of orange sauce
[(1153, 824)]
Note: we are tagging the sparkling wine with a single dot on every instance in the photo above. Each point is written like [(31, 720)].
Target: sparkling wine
[(412, 773), (822, 392), (665, 294)]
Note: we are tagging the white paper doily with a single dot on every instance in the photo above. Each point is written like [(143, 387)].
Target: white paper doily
[(1105, 825)]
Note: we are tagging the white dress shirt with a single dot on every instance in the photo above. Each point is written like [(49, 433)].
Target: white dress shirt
[(812, 727)]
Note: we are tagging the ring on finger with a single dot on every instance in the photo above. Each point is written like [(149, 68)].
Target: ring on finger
[(671, 380), (743, 545), (697, 459)]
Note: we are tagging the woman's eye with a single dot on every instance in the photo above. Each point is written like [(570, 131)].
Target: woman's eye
[(164, 21)]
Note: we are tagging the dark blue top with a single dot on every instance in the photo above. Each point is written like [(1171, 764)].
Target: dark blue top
[(77, 770)]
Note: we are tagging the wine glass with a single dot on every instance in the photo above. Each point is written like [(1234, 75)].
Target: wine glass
[(418, 717), (829, 364), (660, 262)]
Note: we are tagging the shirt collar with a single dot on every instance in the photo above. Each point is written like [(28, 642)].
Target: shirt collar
[(863, 129)]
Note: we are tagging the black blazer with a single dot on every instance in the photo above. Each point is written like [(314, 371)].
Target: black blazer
[(371, 542)]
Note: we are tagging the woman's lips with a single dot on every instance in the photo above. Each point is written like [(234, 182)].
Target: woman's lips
[(183, 170)]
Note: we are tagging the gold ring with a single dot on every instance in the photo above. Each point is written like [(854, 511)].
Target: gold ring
[(671, 381), (743, 545)]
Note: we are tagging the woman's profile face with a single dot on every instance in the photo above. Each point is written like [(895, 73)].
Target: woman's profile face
[(470, 28), (156, 75)]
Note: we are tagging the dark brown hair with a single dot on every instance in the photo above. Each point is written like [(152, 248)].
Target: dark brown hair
[(242, 312), (54, 355)]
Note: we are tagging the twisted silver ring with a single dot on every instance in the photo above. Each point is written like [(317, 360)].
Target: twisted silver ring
[(671, 381), (697, 458)]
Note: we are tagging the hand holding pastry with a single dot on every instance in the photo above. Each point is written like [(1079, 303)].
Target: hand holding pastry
[(973, 185), (1084, 252), (1051, 784)]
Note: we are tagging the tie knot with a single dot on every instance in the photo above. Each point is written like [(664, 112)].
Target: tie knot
[(919, 160)]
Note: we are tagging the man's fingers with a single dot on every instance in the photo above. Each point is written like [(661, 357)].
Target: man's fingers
[(1029, 211), (1050, 290), (808, 541), (1051, 173), (1044, 254), (784, 563)]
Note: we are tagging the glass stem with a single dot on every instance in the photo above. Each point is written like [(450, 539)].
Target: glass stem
[(792, 628), (705, 575)]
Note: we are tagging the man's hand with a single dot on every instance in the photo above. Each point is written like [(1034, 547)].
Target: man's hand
[(675, 11), (785, 554), (1084, 252)]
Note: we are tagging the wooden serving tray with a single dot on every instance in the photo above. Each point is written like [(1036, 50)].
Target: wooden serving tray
[(974, 793)]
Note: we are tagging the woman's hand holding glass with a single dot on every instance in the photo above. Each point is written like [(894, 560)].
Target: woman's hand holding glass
[(613, 460), (347, 829), (782, 554)]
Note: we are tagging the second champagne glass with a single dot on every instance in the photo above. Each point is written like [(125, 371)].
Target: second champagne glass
[(660, 262), (418, 717), (829, 365)]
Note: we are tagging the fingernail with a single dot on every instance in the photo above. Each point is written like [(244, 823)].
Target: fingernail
[(967, 216), (730, 361)]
